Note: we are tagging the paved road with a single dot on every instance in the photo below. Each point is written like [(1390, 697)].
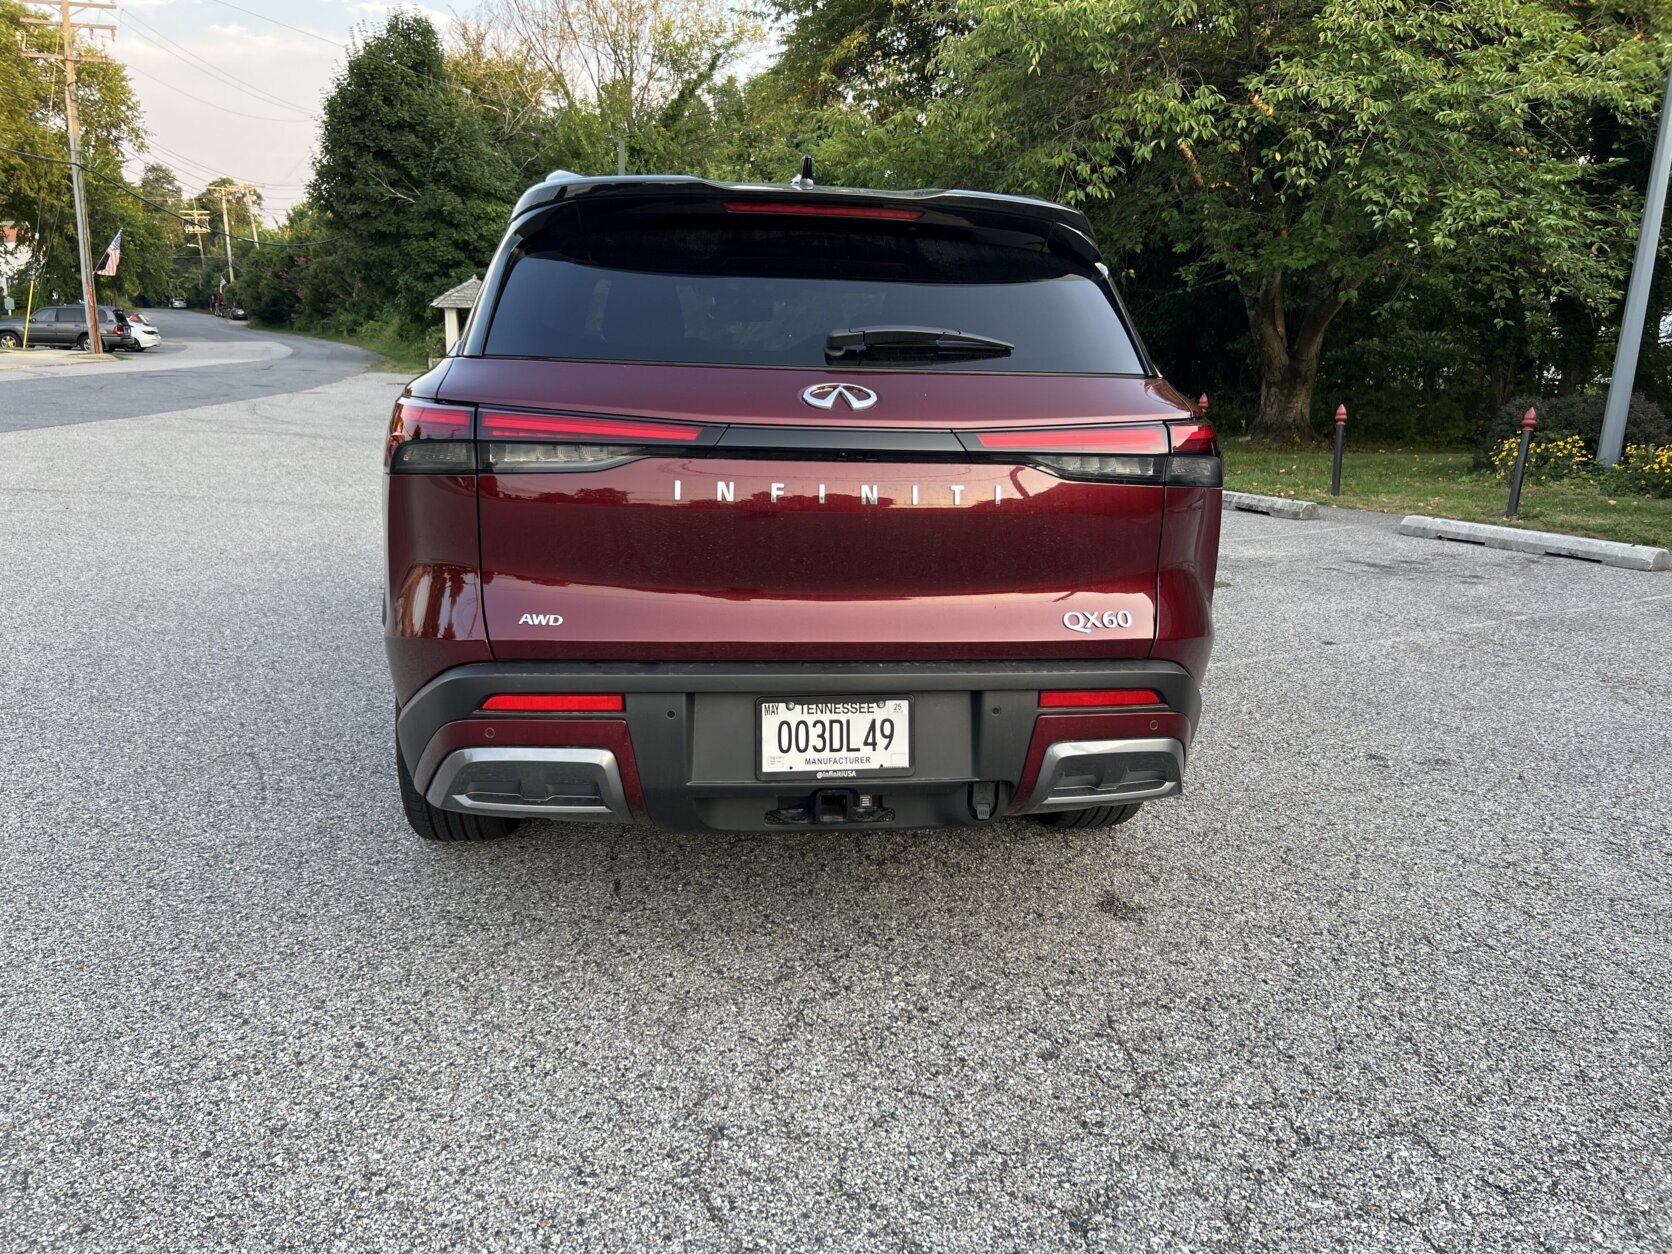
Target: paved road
[(1394, 974), (202, 360)]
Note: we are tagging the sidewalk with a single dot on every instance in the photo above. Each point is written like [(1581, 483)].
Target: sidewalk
[(32, 358)]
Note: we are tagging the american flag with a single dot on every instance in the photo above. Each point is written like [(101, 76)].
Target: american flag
[(113, 256)]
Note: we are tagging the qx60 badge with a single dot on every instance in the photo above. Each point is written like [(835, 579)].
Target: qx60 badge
[(825, 396)]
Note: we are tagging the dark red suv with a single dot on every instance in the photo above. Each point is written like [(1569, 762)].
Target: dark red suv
[(757, 508)]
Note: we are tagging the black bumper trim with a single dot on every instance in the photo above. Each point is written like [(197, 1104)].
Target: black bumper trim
[(663, 700)]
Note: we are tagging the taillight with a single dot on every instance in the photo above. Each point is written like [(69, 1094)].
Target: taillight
[(428, 438), (1129, 452), (556, 702), (513, 441), (1183, 453), (1195, 462), (1098, 698)]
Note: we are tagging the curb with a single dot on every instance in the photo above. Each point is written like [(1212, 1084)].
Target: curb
[(1607, 552), (1276, 506), (47, 358)]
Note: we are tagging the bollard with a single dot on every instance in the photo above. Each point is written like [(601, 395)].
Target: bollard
[(1340, 443), (1527, 425), (1202, 406)]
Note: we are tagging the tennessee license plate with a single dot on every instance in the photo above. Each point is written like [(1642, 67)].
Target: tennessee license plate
[(839, 738)]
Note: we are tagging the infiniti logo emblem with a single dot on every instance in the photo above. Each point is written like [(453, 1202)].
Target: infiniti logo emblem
[(825, 395)]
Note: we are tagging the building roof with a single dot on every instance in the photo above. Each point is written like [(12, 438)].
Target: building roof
[(461, 297)]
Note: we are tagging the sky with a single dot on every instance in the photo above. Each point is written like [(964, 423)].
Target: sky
[(236, 87)]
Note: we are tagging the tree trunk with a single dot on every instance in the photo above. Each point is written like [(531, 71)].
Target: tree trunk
[(1285, 416), (1288, 364)]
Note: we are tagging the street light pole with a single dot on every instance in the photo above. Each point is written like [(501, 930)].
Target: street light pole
[(1613, 440)]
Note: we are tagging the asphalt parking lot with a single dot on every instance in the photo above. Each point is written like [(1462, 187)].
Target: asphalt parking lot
[(1392, 975)]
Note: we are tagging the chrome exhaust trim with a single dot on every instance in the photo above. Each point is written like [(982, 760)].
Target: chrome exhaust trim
[(1079, 774), (530, 782)]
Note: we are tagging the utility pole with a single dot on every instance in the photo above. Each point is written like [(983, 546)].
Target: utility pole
[(195, 227), (249, 204), (69, 57), (1613, 440), (226, 232)]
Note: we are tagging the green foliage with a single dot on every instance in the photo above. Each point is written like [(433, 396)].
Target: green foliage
[(877, 55), (36, 195), (1646, 470), (1286, 163), (407, 175), (1578, 416)]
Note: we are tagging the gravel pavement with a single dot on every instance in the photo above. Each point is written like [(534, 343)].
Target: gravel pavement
[(1392, 975)]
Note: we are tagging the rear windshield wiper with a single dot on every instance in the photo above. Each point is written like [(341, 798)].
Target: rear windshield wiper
[(910, 344)]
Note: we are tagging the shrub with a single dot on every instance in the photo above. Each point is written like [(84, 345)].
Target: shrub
[(1645, 470), (1562, 458), (1577, 415)]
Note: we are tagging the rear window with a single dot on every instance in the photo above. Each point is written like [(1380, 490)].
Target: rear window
[(706, 288)]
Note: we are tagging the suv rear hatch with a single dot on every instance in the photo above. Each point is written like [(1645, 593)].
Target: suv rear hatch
[(729, 423)]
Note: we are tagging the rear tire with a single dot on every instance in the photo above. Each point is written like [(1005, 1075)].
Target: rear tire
[(10, 339), (82, 343), (1097, 816), (433, 823)]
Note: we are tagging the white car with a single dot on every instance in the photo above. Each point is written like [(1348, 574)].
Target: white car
[(176, 302), (145, 335)]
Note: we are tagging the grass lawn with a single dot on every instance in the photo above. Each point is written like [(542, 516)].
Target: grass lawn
[(1441, 484)]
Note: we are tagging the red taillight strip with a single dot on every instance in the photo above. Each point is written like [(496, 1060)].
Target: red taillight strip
[(498, 425), (557, 702), (1082, 698), (1113, 439), (813, 210), (1193, 437), (420, 420)]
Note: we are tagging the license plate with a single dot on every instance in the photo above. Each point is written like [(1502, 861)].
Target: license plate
[(834, 738)]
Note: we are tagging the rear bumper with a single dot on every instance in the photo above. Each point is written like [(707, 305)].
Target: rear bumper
[(682, 753)]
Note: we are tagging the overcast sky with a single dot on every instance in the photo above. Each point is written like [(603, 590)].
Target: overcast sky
[(235, 87)]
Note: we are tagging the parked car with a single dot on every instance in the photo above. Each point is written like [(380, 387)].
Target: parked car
[(65, 326), (754, 508), (234, 312), (177, 302), (145, 335)]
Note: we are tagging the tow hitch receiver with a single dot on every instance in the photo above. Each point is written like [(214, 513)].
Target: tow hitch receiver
[(831, 807)]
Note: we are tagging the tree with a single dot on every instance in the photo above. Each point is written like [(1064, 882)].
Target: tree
[(35, 189), (592, 73), (1300, 148), (407, 174), (875, 54)]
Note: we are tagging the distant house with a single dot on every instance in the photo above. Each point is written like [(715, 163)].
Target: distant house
[(14, 257), (455, 304)]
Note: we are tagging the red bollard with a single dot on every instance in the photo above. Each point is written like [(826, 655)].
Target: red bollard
[(1527, 425), (1340, 444)]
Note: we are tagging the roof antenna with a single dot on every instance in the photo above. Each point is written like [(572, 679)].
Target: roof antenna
[(805, 178)]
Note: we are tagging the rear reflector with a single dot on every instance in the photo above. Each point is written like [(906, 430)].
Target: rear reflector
[(1102, 697), (1135, 438), (815, 210), (556, 702), (498, 425)]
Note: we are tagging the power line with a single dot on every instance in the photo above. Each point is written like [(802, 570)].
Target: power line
[(254, 117), (310, 34), (119, 184), (192, 61)]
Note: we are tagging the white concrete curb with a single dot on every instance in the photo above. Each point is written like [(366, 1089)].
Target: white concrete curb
[(1608, 552), (1276, 506)]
